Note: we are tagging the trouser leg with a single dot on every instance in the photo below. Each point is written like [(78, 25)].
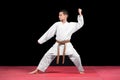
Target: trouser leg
[(45, 61), (75, 58)]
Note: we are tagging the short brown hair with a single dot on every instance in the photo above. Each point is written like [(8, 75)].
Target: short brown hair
[(64, 11)]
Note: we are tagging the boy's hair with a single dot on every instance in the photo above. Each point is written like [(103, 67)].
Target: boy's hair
[(64, 11)]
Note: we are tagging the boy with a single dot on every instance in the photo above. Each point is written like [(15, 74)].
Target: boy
[(63, 31)]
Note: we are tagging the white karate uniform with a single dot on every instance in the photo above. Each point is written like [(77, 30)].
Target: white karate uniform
[(63, 31)]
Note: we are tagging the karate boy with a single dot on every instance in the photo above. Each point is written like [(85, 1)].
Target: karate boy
[(63, 31)]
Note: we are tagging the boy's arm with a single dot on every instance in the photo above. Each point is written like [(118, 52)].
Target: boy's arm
[(80, 19), (80, 22), (48, 35)]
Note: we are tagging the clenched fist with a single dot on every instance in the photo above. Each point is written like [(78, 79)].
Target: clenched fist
[(80, 11)]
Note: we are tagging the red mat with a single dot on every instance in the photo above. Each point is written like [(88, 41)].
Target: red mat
[(60, 73)]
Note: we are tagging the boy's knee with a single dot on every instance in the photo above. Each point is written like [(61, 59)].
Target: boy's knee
[(77, 56)]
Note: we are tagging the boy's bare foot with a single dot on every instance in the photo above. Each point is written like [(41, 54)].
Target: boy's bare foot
[(82, 72), (35, 71)]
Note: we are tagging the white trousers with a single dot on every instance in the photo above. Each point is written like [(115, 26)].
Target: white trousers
[(50, 56)]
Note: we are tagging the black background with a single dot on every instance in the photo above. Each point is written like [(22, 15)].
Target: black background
[(97, 41)]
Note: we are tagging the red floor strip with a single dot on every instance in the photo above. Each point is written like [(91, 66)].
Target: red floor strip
[(60, 73)]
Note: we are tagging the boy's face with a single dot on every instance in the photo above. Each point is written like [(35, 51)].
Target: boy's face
[(62, 16)]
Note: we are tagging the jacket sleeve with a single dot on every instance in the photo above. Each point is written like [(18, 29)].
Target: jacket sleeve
[(79, 24), (48, 35)]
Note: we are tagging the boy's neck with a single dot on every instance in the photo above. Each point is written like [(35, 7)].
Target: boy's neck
[(64, 21)]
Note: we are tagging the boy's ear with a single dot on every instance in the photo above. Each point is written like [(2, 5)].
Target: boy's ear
[(66, 15)]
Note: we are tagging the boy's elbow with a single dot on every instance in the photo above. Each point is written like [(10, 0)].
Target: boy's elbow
[(82, 24)]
